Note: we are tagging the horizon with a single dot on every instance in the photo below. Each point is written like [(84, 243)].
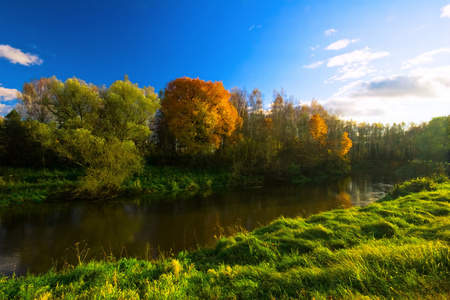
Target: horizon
[(369, 61)]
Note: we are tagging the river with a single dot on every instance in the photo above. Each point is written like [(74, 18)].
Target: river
[(39, 237)]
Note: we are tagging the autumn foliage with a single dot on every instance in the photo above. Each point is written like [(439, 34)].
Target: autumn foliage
[(318, 129), (346, 144), (198, 114)]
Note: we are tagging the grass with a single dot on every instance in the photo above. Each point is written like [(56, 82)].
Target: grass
[(19, 186), (395, 248)]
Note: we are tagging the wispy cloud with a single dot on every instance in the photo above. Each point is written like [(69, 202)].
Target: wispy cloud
[(353, 71), (330, 31), (445, 11), (356, 56), (424, 58), (7, 94), (16, 56), (254, 27), (314, 65), (354, 64), (341, 44), (315, 48)]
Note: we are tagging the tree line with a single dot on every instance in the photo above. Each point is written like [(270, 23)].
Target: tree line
[(112, 132)]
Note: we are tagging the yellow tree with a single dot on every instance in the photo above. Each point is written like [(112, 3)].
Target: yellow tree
[(346, 144), (318, 129), (198, 114)]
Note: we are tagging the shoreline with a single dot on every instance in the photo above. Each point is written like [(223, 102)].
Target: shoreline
[(392, 248)]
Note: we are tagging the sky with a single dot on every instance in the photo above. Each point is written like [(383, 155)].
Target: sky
[(366, 60)]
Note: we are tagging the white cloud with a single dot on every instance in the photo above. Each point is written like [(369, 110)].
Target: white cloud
[(314, 65), (5, 109), (353, 71), (254, 27), (424, 58), (330, 31), (354, 64), (8, 94), (356, 56), (341, 44), (388, 87), (445, 11), (416, 96), (315, 48), (16, 56)]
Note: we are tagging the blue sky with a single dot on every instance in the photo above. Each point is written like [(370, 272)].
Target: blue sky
[(373, 61)]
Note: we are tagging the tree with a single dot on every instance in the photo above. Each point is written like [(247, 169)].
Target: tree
[(128, 111), (34, 100), (107, 162), (19, 148), (346, 144), (198, 113), (98, 129), (74, 103), (318, 129), (432, 141)]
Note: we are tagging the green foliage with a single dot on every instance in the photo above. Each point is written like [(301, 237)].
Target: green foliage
[(417, 168), (432, 140), (71, 127), (17, 147), (128, 111)]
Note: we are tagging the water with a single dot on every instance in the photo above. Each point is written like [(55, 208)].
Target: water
[(43, 236)]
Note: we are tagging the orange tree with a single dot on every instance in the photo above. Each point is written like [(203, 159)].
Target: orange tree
[(198, 114)]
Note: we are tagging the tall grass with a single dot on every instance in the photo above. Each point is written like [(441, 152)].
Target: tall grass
[(392, 249)]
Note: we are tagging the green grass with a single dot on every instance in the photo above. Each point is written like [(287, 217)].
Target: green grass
[(391, 249), (19, 186)]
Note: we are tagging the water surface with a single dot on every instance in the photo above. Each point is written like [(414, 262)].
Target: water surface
[(43, 236)]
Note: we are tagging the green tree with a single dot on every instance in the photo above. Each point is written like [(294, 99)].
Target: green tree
[(107, 162), (97, 129), (74, 103), (432, 141), (128, 111), (19, 148)]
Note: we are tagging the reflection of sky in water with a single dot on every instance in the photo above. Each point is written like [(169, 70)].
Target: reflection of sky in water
[(365, 190), (10, 262), (40, 237)]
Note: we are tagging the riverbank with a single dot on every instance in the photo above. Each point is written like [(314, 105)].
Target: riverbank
[(22, 186), (394, 248)]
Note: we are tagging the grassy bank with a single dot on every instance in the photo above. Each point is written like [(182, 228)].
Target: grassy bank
[(18, 186), (395, 248)]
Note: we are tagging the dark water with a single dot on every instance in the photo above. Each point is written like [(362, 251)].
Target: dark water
[(40, 237)]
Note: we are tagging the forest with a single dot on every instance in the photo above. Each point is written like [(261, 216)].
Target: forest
[(111, 136)]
